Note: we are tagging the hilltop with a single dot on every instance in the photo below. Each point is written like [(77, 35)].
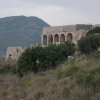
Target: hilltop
[(20, 31)]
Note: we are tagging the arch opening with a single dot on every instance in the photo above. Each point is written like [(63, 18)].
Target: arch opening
[(50, 39), (62, 38), (44, 40), (69, 37), (56, 38)]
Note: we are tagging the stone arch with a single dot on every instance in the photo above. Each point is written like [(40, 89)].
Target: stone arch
[(69, 37), (44, 40), (56, 38), (62, 38), (50, 39)]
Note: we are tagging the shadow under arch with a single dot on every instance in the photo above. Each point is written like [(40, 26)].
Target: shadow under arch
[(44, 40), (50, 39), (56, 38), (62, 38), (69, 37)]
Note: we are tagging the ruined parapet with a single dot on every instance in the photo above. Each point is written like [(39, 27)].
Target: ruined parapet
[(84, 27), (13, 53), (58, 29), (66, 28)]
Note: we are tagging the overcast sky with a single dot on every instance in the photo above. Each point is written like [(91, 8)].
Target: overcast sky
[(54, 12)]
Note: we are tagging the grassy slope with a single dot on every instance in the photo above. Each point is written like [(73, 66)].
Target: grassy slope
[(72, 81)]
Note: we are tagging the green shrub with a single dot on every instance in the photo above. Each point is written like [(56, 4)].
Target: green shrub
[(27, 61), (57, 54), (89, 44), (40, 59), (93, 31)]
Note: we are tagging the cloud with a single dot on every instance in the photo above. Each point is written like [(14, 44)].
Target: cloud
[(55, 12)]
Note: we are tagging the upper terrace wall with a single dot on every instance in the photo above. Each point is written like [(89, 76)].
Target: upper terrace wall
[(60, 34)]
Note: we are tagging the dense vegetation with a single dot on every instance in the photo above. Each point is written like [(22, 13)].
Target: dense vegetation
[(76, 80), (38, 58), (95, 30), (91, 42)]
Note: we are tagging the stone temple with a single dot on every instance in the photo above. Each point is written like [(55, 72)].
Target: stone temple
[(60, 34)]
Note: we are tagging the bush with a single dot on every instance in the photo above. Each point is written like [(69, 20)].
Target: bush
[(38, 58), (89, 44), (28, 60), (57, 54), (93, 31)]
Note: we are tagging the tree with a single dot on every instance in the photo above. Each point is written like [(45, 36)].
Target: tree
[(39, 59), (93, 31), (89, 44)]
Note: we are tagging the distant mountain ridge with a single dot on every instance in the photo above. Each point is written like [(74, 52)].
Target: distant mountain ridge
[(20, 31)]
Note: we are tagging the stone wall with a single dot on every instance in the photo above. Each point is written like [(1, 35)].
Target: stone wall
[(60, 34), (53, 35), (13, 53)]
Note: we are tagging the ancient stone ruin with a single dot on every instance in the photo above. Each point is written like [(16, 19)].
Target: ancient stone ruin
[(60, 34), (54, 35), (13, 53)]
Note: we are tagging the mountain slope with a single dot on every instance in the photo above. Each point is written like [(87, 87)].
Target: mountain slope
[(20, 31)]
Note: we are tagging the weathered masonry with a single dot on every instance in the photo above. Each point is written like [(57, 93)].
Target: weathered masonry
[(13, 53), (60, 34)]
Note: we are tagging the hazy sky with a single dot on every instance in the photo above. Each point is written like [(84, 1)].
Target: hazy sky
[(54, 12)]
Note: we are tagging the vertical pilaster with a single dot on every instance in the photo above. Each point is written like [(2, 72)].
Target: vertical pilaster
[(66, 37), (58, 38)]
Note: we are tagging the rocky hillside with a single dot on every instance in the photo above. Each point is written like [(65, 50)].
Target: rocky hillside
[(20, 31)]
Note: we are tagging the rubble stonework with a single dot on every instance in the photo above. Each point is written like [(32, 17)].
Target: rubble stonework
[(54, 35), (60, 34), (13, 53)]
